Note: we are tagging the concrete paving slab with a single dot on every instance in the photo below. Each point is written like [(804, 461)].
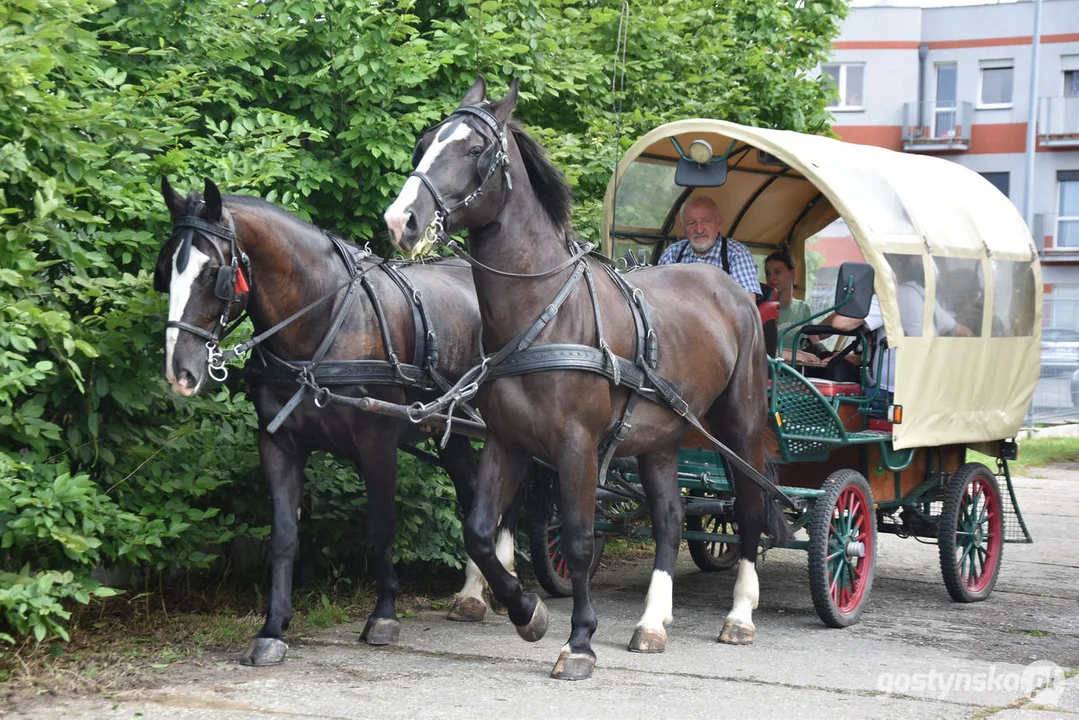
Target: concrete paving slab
[(915, 654)]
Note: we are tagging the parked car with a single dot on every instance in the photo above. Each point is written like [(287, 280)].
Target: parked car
[(1060, 351)]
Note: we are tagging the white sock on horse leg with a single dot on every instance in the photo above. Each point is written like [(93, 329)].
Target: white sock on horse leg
[(746, 593), (659, 604)]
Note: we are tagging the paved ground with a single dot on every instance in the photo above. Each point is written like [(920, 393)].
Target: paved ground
[(916, 654), (1053, 400)]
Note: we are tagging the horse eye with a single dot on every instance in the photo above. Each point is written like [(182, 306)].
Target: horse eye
[(475, 150)]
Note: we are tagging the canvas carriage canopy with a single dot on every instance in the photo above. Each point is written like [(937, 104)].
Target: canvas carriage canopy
[(916, 219)]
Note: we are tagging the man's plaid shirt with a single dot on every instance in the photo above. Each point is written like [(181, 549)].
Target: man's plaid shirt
[(743, 269)]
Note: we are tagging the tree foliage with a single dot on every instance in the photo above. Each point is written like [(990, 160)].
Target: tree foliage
[(314, 104)]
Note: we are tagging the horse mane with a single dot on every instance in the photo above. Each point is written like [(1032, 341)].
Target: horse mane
[(257, 203), (548, 181)]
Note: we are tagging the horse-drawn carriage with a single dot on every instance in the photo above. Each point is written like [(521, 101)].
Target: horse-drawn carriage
[(666, 372), (860, 459)]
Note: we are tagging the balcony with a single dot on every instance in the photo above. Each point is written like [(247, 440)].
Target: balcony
[(936, 127), (1058, 122), (1057, 239)]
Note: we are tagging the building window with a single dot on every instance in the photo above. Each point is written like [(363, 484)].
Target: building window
[(1068, 209), (849, 81), (1071, 83), (996, 83), (1000, 180)]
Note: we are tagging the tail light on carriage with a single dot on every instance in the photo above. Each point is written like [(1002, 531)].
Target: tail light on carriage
[(895, 414)]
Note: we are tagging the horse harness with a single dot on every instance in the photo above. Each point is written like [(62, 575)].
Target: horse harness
[(314, 375), (519, 356)]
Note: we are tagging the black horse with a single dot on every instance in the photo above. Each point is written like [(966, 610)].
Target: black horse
[(234, 253), (480, 171)]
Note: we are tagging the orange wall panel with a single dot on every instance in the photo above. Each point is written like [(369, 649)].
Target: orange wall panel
[(996, 138), (952, 44), (888, 136)]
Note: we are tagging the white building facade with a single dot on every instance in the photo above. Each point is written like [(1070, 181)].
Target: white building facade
[(955, 82)]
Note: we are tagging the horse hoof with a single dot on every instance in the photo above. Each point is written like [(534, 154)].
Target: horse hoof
[(467, 609), (537, 626), (496, 607), (264, 651), (736, 633), (645, 640), (573, 666), (381, 631)]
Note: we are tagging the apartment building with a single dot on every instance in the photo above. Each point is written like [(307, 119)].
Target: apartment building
[(955, 82)]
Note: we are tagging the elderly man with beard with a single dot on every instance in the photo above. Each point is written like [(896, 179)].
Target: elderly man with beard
[(705, 242)]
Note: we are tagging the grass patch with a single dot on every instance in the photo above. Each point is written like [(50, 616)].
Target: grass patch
[(126, 642), (1036, 452), (1031, 633)]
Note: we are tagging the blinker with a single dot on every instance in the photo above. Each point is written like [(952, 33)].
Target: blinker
[(185, 249), (225, 287)]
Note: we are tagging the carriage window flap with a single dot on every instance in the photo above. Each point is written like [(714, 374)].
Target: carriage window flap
[(1013, 299), (910, 290), (960, 292)]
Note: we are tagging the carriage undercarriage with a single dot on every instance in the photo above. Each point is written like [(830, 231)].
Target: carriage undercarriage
[(924, 493)]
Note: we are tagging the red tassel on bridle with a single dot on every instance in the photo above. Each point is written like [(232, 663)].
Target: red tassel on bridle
[(241, 282)]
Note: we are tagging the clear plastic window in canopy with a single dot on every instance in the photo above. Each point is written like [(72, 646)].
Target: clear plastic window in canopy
[(645, 196)]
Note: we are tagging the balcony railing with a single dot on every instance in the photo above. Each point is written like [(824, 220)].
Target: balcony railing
[(932, 126), (1058, 122), (1057, 238)]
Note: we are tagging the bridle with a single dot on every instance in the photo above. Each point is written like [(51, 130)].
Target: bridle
[(230, 282), (488, 164)]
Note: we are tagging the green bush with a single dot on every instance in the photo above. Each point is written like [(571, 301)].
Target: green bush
[(314, 105)]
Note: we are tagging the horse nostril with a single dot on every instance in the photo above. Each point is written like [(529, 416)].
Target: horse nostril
[(411, 224), (186, 379)]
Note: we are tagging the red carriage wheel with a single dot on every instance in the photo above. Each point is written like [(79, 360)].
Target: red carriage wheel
[(971, 533), (842, 548), (545, 541), (713, 556)]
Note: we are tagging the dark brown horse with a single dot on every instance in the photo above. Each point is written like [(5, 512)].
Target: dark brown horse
[(233, 253), (710, 344)]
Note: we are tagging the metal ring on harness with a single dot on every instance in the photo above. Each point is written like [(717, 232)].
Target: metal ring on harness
[(322, 397), (215, 366)]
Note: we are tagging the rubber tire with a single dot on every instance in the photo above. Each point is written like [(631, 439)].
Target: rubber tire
[(547, 563), (948, 537), (702, 551), (820, 526)]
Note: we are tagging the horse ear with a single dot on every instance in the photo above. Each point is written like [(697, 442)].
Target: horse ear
[(503, 109), (477, 93), (212, 197), (173, 199)]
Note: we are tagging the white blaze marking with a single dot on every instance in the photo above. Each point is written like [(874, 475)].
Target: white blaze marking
[(396, 216), (179, 295), (746, 593), (659, 605)]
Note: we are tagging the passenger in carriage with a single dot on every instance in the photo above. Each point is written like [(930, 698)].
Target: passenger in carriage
[(779, 274), (910, 296), (705, 242)]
